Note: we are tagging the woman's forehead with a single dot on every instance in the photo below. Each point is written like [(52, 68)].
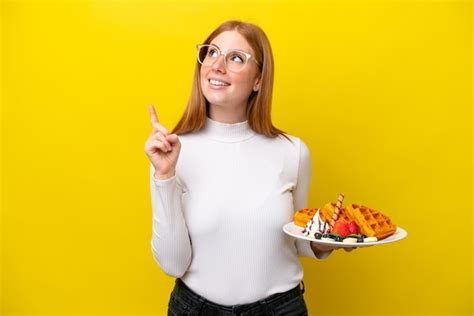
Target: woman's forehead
[(231, 40)]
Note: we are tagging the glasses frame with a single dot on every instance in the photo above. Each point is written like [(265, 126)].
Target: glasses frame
[(248, 55)]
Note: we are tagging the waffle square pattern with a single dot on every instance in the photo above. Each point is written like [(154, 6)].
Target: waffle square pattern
[(370, 221)]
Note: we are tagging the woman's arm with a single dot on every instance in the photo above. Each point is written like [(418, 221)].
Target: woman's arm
[(170, 243)]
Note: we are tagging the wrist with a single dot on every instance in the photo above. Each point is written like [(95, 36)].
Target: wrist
[(318, 249), (321, 252), (315, 248), (164, 176)]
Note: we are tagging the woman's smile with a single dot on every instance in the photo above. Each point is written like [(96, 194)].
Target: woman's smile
[(217, 84)]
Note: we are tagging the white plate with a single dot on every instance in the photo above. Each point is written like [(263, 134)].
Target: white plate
[(296, 231)]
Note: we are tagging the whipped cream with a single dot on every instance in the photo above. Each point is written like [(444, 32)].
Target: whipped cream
[(316, 225)]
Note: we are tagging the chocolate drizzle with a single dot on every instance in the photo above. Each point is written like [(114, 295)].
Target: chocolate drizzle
[(309, 225), (323, 226)]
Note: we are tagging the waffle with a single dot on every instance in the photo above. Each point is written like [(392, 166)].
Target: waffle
[(303, 216), (327, 213), (371, 222)]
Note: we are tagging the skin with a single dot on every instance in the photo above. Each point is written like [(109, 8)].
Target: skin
[(162, 148), (317, 248)]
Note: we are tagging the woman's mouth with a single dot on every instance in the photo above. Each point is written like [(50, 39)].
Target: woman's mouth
[(217, 83)]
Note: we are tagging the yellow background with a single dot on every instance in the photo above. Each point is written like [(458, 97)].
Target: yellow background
[(380, 91)]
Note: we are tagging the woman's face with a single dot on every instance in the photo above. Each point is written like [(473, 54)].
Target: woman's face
[(237, 85)]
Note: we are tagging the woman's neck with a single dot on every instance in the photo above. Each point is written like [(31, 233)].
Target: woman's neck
[(228, 115)]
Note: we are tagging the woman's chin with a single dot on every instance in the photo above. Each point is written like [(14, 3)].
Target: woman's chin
[(213, 99), (218, 103)]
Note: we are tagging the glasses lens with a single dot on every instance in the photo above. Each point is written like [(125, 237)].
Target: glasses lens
[(235, 60), (202, 51), (207, 54)]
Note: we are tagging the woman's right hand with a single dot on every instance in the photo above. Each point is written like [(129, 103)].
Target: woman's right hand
[(162, 148)]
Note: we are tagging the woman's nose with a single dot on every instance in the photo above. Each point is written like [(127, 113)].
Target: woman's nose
[(219, 64)]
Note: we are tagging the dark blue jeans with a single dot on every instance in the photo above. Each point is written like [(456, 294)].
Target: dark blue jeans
[(184, 301)]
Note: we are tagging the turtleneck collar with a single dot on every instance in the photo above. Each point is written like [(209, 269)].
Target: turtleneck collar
[(225, 132)]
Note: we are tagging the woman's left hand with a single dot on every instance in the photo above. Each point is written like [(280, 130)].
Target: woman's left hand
[(319, 247)]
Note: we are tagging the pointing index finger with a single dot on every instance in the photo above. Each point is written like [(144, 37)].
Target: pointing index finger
[(154, 118), (154, 121)]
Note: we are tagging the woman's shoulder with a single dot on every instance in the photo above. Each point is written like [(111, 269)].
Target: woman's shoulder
[(296, 143), (289, 140)]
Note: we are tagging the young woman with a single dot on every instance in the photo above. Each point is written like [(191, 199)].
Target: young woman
[(218, 210)]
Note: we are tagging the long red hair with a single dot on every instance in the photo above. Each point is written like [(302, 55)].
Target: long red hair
[(259, 103)]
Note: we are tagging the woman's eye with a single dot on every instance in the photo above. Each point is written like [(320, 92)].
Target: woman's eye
[(212, 52), (237, 58)]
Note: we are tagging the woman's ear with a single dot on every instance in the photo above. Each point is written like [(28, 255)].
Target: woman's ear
[(256, 85)]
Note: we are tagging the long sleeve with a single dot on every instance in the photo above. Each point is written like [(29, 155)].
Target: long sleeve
[(300, 199), (170, 243)]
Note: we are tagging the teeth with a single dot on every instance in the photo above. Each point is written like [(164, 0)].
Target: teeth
[(218, 83)]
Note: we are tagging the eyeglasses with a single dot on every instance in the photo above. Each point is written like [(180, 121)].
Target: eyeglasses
[(234, 59)]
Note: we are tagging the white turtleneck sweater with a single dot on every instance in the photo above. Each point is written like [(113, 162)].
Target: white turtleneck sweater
[(217, 224)]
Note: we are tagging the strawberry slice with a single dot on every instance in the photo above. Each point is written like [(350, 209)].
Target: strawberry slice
[(341, 227), (354, 228)]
